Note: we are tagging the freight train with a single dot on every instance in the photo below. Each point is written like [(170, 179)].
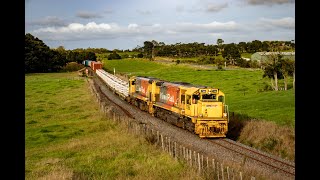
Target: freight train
[(199, 109)]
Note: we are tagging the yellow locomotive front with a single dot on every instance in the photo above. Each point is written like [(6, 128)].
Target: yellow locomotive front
[(207, 110)]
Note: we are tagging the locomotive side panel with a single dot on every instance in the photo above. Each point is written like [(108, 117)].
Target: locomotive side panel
[(169, 94), (142, 87)]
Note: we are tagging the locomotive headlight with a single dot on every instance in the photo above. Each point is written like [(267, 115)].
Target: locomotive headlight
[(225, 114)]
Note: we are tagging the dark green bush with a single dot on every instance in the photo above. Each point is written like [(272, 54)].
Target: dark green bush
[(72, 66), (114, 55)]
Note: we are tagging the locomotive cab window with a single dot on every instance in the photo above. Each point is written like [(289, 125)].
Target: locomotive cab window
[(195, 99), (188, 99), (182, 98), (208, 96)]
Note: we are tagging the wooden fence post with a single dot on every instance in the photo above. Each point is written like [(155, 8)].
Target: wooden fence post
[(228, 172), (199, 168), (169, 147), (175, 151), (187, 156), (165, 144), (218, 170), (213, 167), (222, 174), (162, 142), (158, 141), (207, 170), (190, 153), (202, 161), (195, 158)]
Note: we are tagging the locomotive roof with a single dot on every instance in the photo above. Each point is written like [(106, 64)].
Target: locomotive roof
[(160, 82)]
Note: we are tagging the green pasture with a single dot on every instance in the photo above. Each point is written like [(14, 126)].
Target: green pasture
[(67, 138), (245, 89)]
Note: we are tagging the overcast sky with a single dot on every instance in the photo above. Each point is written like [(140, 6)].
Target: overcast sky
[(124, 24)]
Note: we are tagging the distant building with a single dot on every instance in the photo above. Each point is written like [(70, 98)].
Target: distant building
[(261, 56), (247, 59)]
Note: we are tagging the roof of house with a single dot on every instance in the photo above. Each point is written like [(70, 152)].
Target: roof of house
[(282, 53)]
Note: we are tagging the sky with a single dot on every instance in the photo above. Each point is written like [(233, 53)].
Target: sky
[(126, 24)]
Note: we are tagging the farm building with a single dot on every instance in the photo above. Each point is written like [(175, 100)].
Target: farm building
[(261, 56)]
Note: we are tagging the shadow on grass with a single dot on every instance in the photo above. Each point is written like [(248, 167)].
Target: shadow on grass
[(236, 124)]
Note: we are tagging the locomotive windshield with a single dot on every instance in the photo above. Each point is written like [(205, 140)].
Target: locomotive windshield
[(208, 96)]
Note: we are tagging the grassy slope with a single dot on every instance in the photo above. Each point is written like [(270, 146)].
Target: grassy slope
[(241, 86), (67, 138)]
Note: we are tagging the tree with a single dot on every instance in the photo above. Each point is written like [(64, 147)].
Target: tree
[(91, 55), (148, 49), (242, 46), (114, 55), (140, 55), (219, 61), (39, 57), (271, 68), (231, 53), (287, 69), (155, 45), (219, 43), (255, 46)]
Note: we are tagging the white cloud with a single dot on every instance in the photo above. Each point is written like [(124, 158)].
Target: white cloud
[(179, 8), (88, 15), (144, 12), (77, 31), (216, 7), (213, 26), (269, 2), (287, 23), (48, 21)]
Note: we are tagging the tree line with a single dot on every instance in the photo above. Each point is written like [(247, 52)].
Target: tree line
[(275, 67), (41, 58)]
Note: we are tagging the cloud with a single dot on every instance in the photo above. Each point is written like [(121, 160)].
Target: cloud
[(207, 7), (88, 15), (287, 23), (209, 27), (77, 31), (144, 12), (179, 8), (215, 7), (269, 2), (48, 21)]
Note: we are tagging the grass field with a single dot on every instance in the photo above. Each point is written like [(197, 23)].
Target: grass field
[(67, 138), (244, 88)]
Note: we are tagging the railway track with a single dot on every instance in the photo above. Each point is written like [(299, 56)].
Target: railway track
[(241, 154), (260, 157), (123, 109)]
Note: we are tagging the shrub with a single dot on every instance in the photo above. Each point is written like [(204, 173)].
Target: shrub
[(140, 55), (72, 66), (114, 55), (124, 56)]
